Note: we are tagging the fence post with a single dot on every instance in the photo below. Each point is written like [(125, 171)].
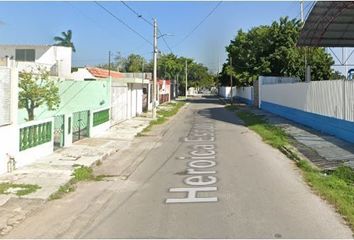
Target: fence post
[(260, 82), (344, 113), (257, 87)]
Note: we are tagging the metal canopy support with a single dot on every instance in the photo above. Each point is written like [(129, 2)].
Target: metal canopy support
[(329, 24), (343, 59)]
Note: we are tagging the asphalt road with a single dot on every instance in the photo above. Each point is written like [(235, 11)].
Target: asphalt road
[(207, 177)]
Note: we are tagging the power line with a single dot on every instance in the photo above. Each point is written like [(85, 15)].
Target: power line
[(137, 14), (164, 40), (148, 22), (124, 23), (101, 27), (200, 23)]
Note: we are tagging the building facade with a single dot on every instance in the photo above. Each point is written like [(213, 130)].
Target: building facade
[(55, 59)]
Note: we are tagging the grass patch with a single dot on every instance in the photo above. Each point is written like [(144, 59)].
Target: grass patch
[(66, 188), (270, 134), (83, 173), (163, 114), (80, 174), (336, 186), (19, 189)]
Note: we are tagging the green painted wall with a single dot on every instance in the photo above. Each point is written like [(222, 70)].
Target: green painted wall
[(76, 96)]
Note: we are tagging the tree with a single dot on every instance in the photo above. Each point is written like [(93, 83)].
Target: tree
[(65, 40), (271, 50), (132, 63), (336, 75), (169, 66), (36, 90)]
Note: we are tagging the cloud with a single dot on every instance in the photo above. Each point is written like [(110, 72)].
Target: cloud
[(2, 23)]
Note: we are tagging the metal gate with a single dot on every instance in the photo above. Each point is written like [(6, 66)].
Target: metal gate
[(59, 131), (145, 100), (80, 125)]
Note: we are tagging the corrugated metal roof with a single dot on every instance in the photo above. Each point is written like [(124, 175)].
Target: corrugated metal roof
[(329, 24)]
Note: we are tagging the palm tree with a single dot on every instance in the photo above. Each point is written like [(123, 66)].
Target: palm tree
[(65, 40)]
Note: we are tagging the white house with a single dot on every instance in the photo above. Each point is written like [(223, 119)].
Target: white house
[(55, 59), (11, 156)]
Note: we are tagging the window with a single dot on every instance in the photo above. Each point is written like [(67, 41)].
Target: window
[(25, 55)]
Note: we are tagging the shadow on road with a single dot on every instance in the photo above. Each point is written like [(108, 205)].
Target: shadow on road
[(329, 150), (217, 113)]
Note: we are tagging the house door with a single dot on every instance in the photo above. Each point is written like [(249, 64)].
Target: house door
[(80, 125), (59, 131)]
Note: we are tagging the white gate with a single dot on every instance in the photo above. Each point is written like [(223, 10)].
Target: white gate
[(119, 102)]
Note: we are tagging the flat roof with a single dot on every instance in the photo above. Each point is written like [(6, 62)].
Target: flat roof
[(25, 45), (329, 24)]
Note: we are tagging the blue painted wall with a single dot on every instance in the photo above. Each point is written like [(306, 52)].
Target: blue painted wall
[(337, 127), (244, 100)]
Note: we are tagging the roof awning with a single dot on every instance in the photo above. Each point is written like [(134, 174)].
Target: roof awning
[(329, 24)]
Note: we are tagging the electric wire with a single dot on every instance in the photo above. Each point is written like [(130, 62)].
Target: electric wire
[(101, 27), (122, 22), (137, 14), (199, 24), (148, 22)]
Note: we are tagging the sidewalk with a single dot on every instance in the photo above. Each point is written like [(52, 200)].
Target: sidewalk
[(55, 170), (326, 151)]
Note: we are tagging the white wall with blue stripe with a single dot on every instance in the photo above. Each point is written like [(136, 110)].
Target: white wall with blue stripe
[(327, 106)]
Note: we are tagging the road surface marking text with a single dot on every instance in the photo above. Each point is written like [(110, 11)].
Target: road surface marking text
[(201, 158)]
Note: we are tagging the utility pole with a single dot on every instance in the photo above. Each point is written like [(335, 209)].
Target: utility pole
[(142, 74), (231, 79), (305, 48), (302, 10), (177, 85), (109, 63), (155, 71), (186, 80), (218, 64)]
